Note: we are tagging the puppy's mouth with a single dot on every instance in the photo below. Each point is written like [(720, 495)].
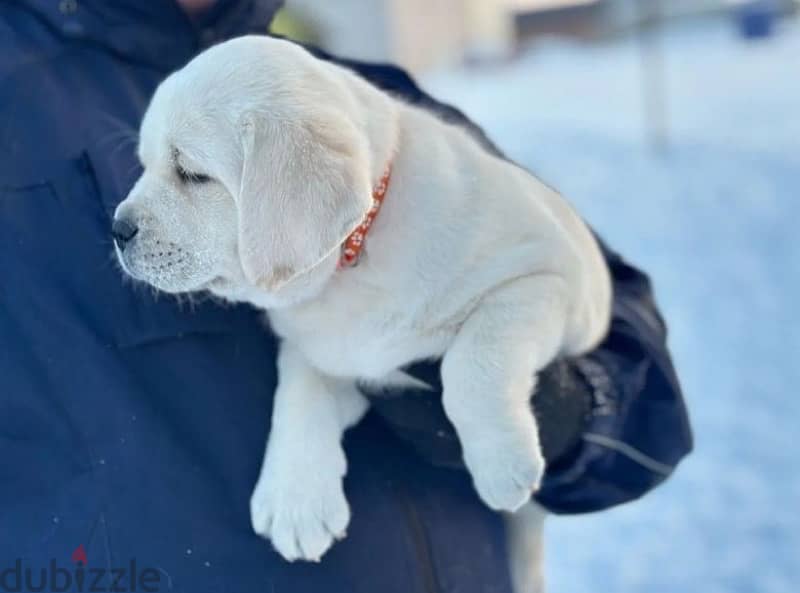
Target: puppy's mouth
[(168, 269)]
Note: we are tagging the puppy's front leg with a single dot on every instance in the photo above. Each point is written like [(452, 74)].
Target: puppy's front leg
[(489, 374), (299, 502)]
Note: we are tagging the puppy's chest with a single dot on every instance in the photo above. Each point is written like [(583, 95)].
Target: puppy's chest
[(366, 340)]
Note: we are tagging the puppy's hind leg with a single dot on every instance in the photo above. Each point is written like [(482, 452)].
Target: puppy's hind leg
[(525, 534), (489, 374)]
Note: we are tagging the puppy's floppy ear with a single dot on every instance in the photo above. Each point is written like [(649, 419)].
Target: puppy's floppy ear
[(304, 187)]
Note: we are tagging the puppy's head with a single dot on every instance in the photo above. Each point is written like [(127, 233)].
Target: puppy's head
[(255, 170)]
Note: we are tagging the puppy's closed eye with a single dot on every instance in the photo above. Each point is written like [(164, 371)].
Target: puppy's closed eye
[(190, 176), (184, 174)]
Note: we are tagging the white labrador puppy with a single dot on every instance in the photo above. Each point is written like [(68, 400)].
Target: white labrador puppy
[(260, 162)]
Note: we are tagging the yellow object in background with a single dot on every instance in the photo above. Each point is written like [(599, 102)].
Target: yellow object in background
[(290, 25)]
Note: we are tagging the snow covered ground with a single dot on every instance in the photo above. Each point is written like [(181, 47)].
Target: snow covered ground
[(714, 220)]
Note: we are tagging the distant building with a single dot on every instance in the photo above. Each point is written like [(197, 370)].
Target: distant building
[(419, 34), (425, 34)]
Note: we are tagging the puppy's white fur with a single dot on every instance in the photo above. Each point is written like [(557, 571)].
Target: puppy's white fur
[(471, 259)]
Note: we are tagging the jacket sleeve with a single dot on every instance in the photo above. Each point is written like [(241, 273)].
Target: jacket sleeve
[(614, 423), (638, 426)]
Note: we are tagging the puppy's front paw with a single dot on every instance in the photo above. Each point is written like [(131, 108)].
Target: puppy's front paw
[(506, 466), (302, 522)]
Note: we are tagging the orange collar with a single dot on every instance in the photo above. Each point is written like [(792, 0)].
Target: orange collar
[(354, 244)]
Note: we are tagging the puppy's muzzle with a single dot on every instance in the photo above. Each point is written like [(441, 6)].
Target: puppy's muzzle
[(123, 231)]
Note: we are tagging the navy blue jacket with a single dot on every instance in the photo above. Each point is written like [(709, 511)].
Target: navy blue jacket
[(132, 428)]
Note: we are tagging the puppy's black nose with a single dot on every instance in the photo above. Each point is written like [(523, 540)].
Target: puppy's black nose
[(123, 231)]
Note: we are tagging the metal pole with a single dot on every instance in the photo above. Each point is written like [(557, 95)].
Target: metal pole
[(653, 77)]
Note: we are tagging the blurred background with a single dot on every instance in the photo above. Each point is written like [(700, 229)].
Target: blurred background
[(674, 127)]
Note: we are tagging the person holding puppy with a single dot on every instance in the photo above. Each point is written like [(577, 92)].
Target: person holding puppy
[(133, 425)]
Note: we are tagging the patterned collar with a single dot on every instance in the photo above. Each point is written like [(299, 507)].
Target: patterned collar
[(354, 244)]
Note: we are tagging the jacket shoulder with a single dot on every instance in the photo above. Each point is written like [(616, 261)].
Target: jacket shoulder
[(25, 40)]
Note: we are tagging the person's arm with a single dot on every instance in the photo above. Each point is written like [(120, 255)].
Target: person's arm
[(614, 424)]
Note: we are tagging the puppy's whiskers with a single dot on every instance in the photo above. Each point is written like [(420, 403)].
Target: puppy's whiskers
[(124, 134)]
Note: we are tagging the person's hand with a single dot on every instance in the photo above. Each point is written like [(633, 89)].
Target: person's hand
[(563, 401)]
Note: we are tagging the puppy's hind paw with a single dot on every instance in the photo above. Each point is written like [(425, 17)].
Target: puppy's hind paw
[(506, 472)]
